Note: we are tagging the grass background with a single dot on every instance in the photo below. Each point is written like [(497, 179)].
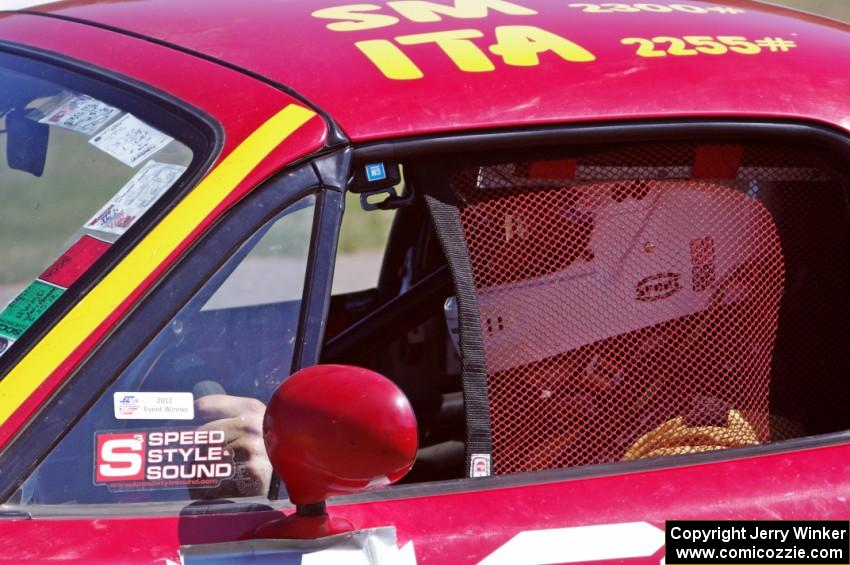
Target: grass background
[(361, 230), (838, 9)]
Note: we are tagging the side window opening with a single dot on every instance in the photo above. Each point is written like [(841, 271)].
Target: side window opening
[(633, 302), (646, 301), (362, 242), (412, 348), (183, 420)]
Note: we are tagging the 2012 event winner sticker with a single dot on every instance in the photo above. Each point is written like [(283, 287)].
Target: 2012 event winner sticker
[(154, 405)]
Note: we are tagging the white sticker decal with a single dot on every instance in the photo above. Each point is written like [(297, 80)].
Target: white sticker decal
[(130, 140), (161, 459), (5, 344), (22, 4), (135, 197), (479, 465), (580, 544), (374, 546), (154, 405), (82, 114)]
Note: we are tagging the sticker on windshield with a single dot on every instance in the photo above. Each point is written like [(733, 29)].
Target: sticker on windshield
[(27, 307), (154, 405), (130, 140), (82, 114), (160, 459), (135, 197), (5, 344), (75, 261)]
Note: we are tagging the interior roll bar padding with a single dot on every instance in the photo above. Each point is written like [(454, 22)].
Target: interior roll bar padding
[(385, 324)]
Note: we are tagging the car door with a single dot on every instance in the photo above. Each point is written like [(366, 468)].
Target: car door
[(235, 334)]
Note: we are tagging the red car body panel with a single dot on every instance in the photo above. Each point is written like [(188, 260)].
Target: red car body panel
[(467, 527), (283, 42), (239, 103)]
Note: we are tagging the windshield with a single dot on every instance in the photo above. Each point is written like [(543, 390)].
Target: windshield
[(78, 169)]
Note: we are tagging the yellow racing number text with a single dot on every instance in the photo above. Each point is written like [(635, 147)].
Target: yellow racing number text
[(355, 17), (518, 46)]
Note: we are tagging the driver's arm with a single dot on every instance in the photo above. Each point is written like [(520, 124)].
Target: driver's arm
[(241, 420)]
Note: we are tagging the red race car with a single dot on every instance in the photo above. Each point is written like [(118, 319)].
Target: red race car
[(599, 252)]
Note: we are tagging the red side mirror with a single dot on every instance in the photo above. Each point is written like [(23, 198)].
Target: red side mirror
[(331, 430)]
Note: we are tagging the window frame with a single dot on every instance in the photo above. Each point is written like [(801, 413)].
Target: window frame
[(62, 412), (202, 134), (495, 145)]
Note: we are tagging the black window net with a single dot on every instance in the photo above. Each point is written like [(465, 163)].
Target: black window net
[(657, 299)]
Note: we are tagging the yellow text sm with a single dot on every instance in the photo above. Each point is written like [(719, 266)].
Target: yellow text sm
[(355, 17)]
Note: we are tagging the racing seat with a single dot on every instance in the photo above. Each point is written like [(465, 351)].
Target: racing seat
[(628, 303)]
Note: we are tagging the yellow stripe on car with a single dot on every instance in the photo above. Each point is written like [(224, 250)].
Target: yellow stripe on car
[(142, 260)]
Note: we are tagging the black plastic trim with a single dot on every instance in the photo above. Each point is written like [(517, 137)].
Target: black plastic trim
[(419, 147), (535, 478), (140, 509), (333, 170), (202, 133), (14, 514), (320, 272), (391, 319)]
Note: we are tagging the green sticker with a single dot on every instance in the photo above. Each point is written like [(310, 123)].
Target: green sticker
[(27, 307)]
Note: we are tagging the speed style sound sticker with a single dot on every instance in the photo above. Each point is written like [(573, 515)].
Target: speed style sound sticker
[(162, 459)]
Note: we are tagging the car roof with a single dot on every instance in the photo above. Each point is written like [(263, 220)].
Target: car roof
[(592, 71)]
